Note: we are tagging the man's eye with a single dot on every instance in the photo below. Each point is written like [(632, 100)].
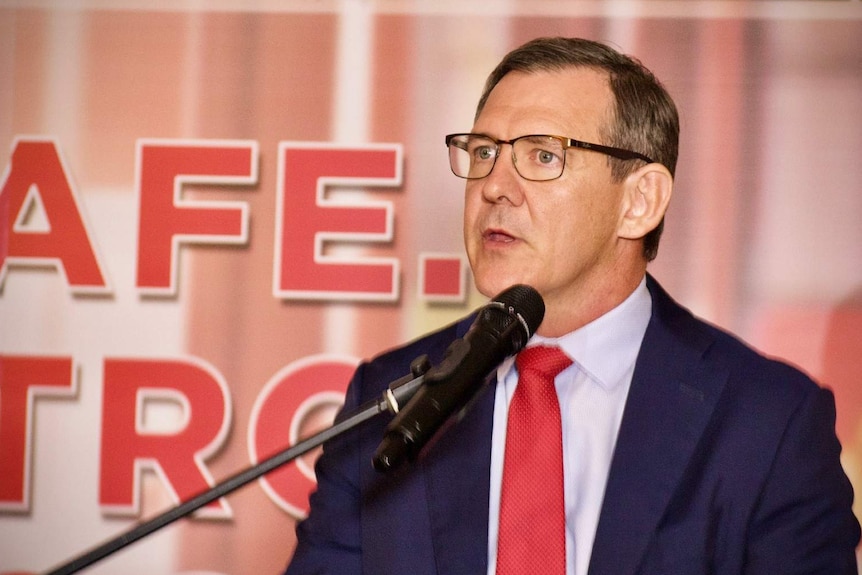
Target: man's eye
[(546, 157), (484, 153)]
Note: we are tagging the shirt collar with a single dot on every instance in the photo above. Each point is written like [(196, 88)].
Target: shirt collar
[(607, 347)]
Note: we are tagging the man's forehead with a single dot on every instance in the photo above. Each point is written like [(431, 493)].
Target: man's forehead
[(566, 97)]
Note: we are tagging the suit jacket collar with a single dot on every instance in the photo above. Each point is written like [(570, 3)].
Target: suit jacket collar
[(670, 402)]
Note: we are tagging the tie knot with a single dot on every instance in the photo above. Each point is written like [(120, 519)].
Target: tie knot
[(544, 360)]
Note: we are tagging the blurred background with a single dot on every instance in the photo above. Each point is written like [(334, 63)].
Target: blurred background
[(762, 238)]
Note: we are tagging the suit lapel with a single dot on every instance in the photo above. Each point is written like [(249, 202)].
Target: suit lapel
[(457, 473), (670, 402)]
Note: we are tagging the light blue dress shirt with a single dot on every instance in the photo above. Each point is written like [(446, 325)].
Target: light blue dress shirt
[(592, 394)]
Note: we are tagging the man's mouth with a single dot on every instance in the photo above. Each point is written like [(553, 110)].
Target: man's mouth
[(497, 236)]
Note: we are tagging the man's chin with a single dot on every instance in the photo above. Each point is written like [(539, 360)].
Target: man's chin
[(493, 284)]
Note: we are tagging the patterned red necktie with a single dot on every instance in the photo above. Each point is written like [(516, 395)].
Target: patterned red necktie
[(532, 536)]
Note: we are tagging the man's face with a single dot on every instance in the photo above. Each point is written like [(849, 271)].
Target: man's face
[(559, 236)]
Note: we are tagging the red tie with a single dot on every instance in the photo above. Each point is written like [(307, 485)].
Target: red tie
[(532, 536)]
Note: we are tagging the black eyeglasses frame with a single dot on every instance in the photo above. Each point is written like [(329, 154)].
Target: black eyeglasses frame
[(618, 153)]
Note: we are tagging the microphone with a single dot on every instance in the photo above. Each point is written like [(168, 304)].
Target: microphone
[(501, 329)]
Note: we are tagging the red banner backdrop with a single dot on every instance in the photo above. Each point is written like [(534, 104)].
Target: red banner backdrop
[(210, 214)]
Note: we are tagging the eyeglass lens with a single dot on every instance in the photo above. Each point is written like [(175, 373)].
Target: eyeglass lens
[(535, 157)]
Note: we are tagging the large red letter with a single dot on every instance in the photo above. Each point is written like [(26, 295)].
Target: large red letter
[(306, 395), (129, 444), (36, 179), (22, 379), (166, 220), (442, 277), (306, 220)]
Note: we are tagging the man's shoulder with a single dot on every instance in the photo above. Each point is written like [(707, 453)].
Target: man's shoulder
[(378, 372), (718, 348), (432, 344)]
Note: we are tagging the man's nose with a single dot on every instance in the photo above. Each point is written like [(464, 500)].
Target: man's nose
[(504, 182)]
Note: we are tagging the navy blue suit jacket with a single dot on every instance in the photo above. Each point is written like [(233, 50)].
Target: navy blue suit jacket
[(726, 462)]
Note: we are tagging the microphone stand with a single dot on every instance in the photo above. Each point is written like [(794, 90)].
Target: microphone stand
[(396, 395)]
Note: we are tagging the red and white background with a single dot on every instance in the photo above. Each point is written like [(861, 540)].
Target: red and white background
[(211, 211)]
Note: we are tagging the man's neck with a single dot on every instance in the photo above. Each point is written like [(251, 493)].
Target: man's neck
[(567, 312)]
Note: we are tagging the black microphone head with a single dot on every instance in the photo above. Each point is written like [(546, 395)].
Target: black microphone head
[(502, 328), (524, 304)]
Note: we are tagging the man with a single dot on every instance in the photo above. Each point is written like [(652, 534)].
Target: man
[(683, 451)]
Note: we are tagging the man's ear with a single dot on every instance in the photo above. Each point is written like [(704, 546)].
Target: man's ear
[(646, 195)]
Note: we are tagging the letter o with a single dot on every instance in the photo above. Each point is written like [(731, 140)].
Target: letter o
[(299, 400)]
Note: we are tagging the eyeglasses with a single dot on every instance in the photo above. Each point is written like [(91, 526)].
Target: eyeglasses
[(536, 157)]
